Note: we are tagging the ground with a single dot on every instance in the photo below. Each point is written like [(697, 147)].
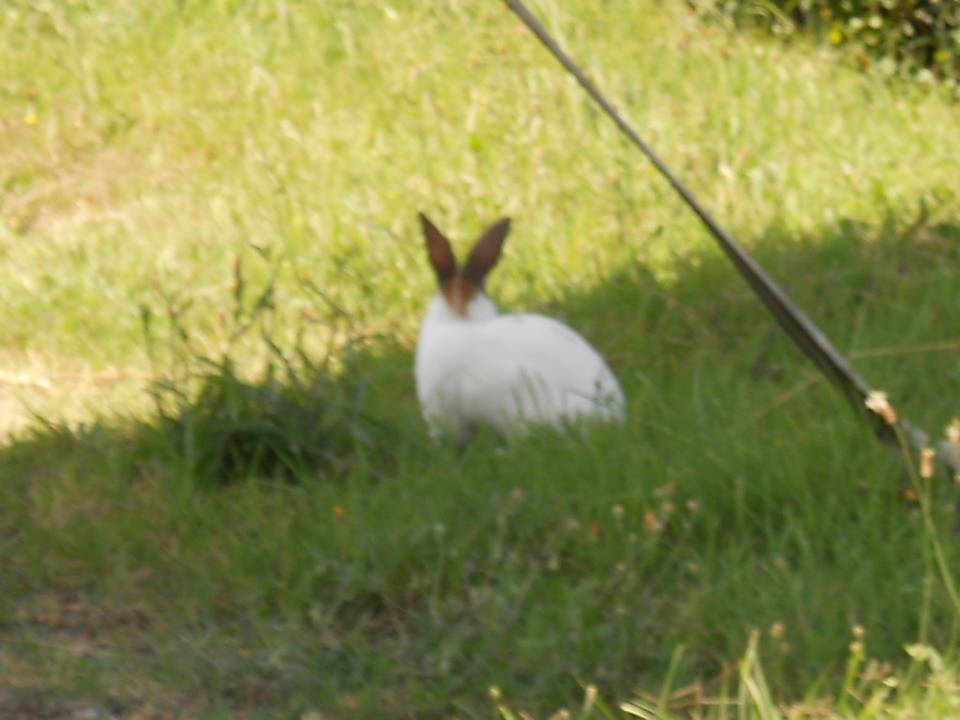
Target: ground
[(196, 193)]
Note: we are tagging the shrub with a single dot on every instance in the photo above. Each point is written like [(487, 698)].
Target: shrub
[(913, 34)]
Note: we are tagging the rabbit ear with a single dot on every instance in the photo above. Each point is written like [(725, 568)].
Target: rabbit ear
[(486, 251), (438, 248)]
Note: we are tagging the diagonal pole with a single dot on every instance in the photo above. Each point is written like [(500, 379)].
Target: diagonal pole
[(808, 337)]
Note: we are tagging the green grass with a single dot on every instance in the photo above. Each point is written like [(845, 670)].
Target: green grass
[(217, 167)]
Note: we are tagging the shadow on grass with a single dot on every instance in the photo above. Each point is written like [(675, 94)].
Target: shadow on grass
[(373, 559), (882, 294)]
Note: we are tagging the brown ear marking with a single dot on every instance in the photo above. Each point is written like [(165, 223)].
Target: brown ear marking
[(486, 251), (439, 251), (460, 285), (458, 292)]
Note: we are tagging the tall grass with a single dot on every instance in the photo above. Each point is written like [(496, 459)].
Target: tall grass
[(242, 180)]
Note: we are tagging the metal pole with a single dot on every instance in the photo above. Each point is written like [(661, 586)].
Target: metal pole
[(808, 337)]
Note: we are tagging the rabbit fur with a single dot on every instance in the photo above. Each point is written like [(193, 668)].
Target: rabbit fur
[(474, 366)]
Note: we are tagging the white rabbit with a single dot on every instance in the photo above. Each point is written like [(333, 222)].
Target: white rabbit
[(474, 366)]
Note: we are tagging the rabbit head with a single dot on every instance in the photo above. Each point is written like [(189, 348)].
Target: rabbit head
[(461, 287)]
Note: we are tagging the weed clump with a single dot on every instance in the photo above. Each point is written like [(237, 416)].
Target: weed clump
[(297, 419), (231, 428)]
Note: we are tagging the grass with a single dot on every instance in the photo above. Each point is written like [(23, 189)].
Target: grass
[(241, 180)]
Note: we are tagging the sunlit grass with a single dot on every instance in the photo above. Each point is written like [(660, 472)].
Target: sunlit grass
[(163, 141)]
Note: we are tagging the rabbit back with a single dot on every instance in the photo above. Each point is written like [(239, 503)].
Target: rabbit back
[(510, 371)]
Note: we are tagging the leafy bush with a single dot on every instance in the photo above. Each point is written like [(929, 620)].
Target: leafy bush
[(914, 34)]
